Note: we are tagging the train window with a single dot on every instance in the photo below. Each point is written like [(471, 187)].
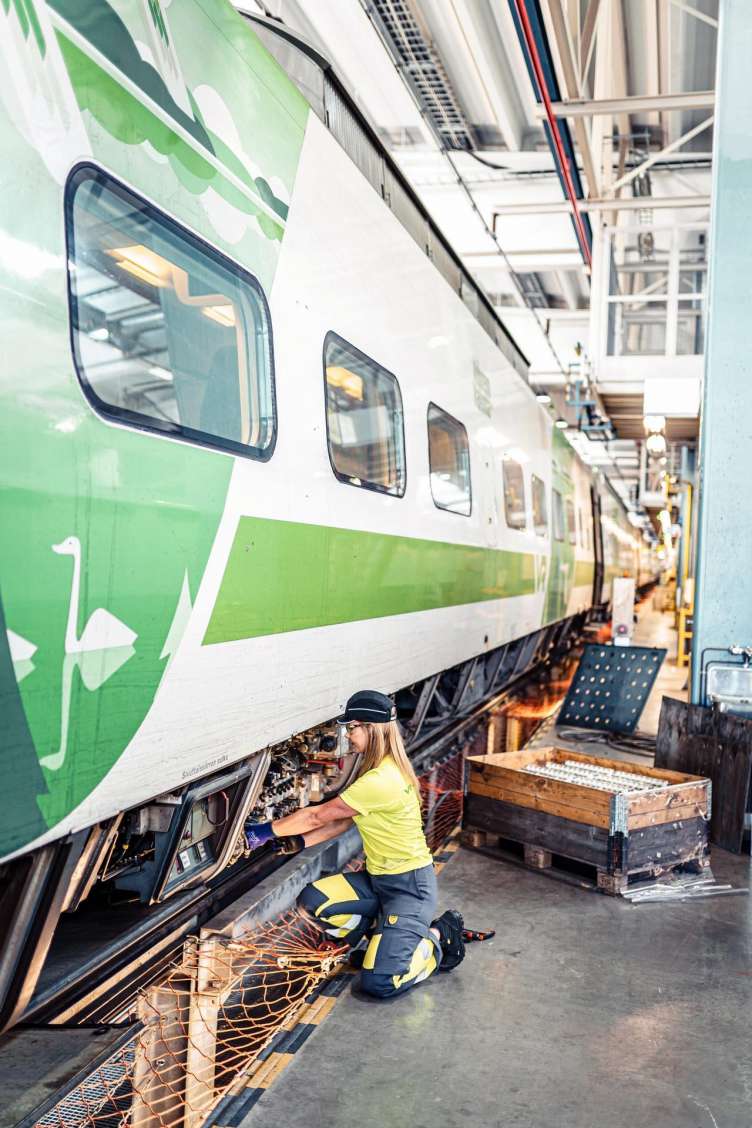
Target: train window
[(580, 527), (557, 506), (514, 494), (167, 333), (449, 462), (571, 526), (540, 517), (363, 419)]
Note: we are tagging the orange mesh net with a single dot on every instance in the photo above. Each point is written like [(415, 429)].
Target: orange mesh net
[(203, 1026), (205, 1029)]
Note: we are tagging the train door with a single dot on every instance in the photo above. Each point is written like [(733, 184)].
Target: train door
[(561, 571)]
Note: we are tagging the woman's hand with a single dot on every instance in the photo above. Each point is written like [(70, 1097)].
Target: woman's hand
[(262, 834), (304, 827), (258, 835)]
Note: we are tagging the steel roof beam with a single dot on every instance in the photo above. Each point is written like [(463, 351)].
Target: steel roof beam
[(631, 104), (572, 88), (588, 38), (640, 168), (691, 11), (626, 203)]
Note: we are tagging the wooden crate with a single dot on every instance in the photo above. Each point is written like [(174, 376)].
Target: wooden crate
[(619, 835)]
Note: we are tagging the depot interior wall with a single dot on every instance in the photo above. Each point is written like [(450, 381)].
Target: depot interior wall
[(723, 596)]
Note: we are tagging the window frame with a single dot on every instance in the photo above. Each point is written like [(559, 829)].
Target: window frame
[(533, 479), (452, 419), (78, 175), (346, 480), (524, 527)]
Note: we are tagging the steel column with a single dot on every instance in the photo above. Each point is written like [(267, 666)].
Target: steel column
[(723, 590)]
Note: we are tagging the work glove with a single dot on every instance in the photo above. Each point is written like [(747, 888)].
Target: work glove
[(258, 835), (261, 834)]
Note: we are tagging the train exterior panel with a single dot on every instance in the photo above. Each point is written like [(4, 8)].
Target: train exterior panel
[(172, 602)]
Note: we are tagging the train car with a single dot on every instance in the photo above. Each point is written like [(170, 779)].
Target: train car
[(259, 449)]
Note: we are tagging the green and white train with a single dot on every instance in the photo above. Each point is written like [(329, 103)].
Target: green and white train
[(264, 442)]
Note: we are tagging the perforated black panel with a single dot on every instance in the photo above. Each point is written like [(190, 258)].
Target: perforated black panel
[(611, 687)]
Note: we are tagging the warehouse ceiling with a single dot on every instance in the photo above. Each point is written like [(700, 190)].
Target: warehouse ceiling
[(455, 90)]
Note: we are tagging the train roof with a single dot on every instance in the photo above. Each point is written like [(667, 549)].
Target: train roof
[(317, 81)]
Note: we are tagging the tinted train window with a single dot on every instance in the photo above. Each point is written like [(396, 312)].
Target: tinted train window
[(540, 517), (571, 526), (449, 461), (167, 333), (514, 494), (363, 419), (558, 512)]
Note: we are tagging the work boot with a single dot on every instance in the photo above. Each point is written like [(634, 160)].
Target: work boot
[(450, 926)]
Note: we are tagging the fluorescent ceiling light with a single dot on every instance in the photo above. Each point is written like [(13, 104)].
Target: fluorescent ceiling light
[(143, 263), (222, 314), (656, 444), (337, 376)]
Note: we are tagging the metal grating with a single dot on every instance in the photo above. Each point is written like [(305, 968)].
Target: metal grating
[(611, 686), (103, 1097), (421, 63)]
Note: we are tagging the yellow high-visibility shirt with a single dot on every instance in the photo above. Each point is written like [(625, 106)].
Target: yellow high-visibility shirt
[(388, 819)]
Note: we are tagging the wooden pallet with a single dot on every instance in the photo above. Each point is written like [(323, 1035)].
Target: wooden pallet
[(583, 875), (617, 837)]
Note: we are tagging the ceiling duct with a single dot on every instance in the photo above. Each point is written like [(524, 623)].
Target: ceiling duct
[(419, 61)]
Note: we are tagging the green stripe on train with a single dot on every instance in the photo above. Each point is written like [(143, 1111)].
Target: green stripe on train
[(287, 576)]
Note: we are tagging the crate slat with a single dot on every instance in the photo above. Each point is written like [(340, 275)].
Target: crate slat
[(617, 834)]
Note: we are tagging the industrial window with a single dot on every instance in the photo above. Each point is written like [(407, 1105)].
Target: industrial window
[(364, 419), (540, 517), (514, 494), (449, 462), (558, 515), (571, 526), (167, 333)]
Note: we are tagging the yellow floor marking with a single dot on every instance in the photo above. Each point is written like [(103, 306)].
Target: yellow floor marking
[(269, 1070), (317, 1014)]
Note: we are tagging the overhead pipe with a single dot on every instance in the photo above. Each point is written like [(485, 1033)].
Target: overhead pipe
[(555, 136)]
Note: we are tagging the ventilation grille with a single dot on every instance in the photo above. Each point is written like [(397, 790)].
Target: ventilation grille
[(423, 67)]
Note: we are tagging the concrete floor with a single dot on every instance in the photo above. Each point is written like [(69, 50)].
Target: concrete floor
[(584, 1011)]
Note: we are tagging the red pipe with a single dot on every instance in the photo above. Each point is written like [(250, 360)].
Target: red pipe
[(554, 127)]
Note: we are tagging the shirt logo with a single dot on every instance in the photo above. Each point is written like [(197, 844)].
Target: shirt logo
[(392, 918)]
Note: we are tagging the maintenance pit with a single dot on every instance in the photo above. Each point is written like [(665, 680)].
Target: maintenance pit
[(578, 978)]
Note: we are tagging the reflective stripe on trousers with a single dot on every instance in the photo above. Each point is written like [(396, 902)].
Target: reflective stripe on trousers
[(397, 909)]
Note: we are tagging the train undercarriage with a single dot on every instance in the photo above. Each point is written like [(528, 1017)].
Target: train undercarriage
[(86, 910)]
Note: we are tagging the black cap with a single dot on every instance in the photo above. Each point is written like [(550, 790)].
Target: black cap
[(370, 707)]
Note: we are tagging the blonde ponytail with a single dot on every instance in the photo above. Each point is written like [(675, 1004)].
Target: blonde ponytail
[(386, 740)]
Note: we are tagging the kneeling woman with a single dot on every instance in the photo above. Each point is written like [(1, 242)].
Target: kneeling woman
[(394, 899)]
